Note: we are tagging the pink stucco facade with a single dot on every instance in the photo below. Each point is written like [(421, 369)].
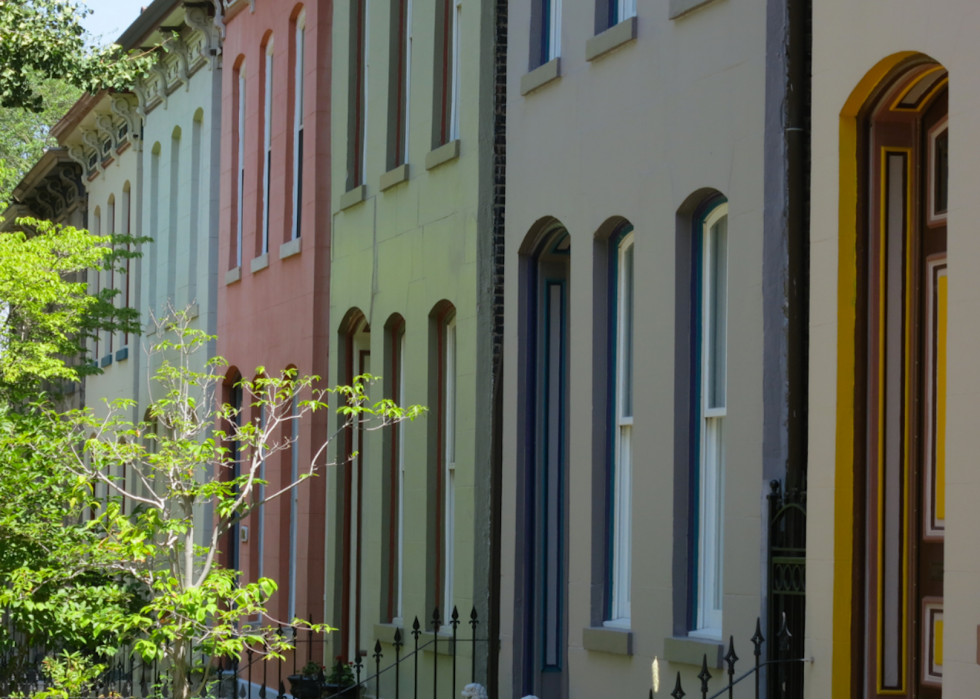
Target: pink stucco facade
[(273, 309)]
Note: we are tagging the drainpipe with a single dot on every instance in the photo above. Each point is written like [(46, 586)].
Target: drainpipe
[(496, 451), (797, 135)]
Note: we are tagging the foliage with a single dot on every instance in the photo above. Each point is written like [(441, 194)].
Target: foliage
[(47, 314), (24, 134), (311, 669), (341, 675), (69, 674), (135, 494), (41, 39)]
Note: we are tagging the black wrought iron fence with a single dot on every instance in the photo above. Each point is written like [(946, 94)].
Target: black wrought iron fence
[(787, 585), (401, 666), (784, 658)]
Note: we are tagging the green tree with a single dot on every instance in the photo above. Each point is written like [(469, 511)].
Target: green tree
[(44, 39), (46, 313), (24, 134), (147, 484)]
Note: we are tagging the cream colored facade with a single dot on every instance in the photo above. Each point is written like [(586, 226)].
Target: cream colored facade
[(101, 134), (638, 124), (858, 50), (410, 235), (180, 105)]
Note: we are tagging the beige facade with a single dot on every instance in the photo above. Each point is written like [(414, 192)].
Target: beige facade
[(408, 527), (863, 56), (640, 134)]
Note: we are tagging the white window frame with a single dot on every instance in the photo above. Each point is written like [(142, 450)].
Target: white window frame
[(449, 421), (455, 102), (625, 9), (267, 145), (554, 29), (241, 161), (299, 82), (623, 438), (97, 281), (711, 457)]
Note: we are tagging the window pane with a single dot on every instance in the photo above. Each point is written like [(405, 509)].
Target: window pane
[(941, 174), (717, 321), (626, 336)]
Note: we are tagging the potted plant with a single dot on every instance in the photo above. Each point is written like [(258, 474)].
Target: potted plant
[(307, 684), (341, 678)]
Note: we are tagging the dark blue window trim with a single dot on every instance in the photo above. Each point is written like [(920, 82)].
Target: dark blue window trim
[(615, 242), (107, 360), (543, 498), (122, 354), (697, 287)]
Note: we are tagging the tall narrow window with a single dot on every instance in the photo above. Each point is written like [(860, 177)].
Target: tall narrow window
[(97, 275), (621, 10), (126, 231), (174, 227), (400, 76), (357, 94), (300, 84), (711, 461), (549, 40), (266, 147), (622, 471), (444, 74), (406, 99), (260, 533), (454, 96), (241, 166), (154, 247), (449, 426), (111, 230), (399, 593), (293, 506), (234, 544)]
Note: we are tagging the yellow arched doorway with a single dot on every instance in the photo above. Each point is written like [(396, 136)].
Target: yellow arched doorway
[(890, 471)]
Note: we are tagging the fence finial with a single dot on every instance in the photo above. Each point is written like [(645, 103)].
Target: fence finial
[(678, 692)]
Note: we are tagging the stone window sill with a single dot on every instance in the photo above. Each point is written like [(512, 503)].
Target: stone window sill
[(353, 197), (611, 39), (608, 639), (233, 275), (541, 76), (122, 355), (442, 154), (394, 177), (106, 360), (293, 247), (679, 8), (691, 651), (259, 263)]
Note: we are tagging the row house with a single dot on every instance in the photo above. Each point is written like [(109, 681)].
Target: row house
[(643, 347), (273, 268), (892, 535), (411, 303), (740, 409)]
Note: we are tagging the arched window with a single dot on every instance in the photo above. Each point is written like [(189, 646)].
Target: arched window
[(299, 87), (393, 516), (442, 462), (267, 70), (711, 332), (543, 418)]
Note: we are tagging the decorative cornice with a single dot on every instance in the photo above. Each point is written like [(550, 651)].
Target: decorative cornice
[(141, 98), (197, 18), (123, 108), (159, 71), (91, 139), (104, 123), (219, 20), (183, 65)]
